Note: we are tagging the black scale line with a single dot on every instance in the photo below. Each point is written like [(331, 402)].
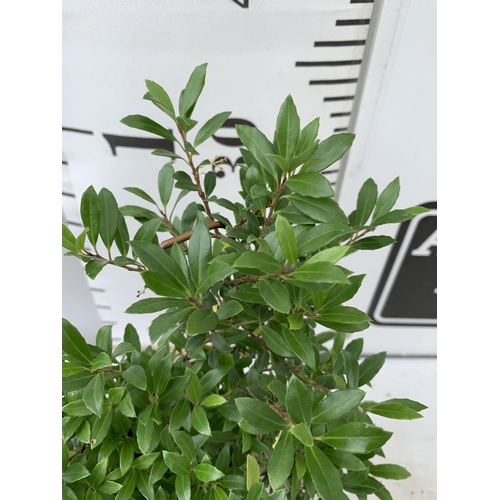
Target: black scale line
[(339, 98), (352, 22), (333, 82), (340, 43), (71, 195), (335, 115), (340, 129), (71, 223), (77, 130), (309, 64)]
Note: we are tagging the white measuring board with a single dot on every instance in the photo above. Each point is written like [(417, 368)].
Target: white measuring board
[(258, 52)]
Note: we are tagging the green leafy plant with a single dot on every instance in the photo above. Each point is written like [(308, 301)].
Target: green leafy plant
[(237, 396)]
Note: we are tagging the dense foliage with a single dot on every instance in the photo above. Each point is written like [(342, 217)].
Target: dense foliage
[(237, 396)]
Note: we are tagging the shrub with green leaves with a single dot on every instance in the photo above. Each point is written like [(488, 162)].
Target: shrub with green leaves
[(238, 395)]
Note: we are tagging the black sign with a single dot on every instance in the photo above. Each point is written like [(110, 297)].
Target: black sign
[(407, 292)]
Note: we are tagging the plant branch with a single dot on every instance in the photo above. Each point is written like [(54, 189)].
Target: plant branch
[(187, 235)]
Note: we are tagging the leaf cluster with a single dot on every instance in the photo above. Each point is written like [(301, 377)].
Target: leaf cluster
[(238, 395)]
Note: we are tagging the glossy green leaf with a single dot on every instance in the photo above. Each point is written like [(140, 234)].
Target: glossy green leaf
[(166, 183), (183, 487), (141, 122), (275, 294), (176, 463), (370, 366), (337, 404), (93, 395), (394, 410), (286, 239), (351, 369), (313, 238), (325, 476), (109, 216), (145, 461), (98, 473), (160, 95), (301, 346), (343, 314), (257, 264), (155, 304), (136, 376), (373, 242), (73, 343), (109, 487), (318, 209), (126, 455), (366, 200), (299, 401), (199, 421), (209, 129), (229, 309), (356, 437), (303, 434), (213, 400), (281, 462), (101, 427), (307, 137), (312, 184), (275, 342), (394, 217), (128, 486), (212, 378), (69, 369), (199, 252), (255, 492), (253, 472), (389, 471), (329, 151), (201, 321), (206, 472), (287, 128), (217, 271), (387, 199), (344, 460), (189, 96), (75, 472), (90, 214), (260, 415), (68, 239)]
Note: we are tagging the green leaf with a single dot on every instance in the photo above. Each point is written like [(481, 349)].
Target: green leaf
[(101, 427), (275, 294), (318, 209), (109, 216), (394, 217), (260, 147), (286, 239), (126, 455), (199, 421), (287, 128), (209, 129), (76, 409), (144, 123), (93, 395), (155, 304), (165, 322), (307, 137), (183, 487), (98, 473), (281, 462), (213, 400), (310, 184), (344, 460), (389, 471), (145, 461), (136, 376), (189, 96), (299, 401), (148, 230), (255, 492), (75, 472), (212, 378), (109, 487), (275, 342), (69, 369), (128, 486), (159, 262), (356, 437), (178, 464), (370, 366), (199, 252), (201, 321), (73, 343), (337, 404), (229, 309), (373, 243), (343, 314), (140, 193), (206, 472), (351, 369), (260, 415), (161, 96), (167, 154), (301, 346), (303, 434), (68, 239), (323, 473), (394, 410), (365, 203), (217, 271), (386, 199), (253, 472), (94, 267), (257, 264), (417, 210), (315, 237), (329, 151), (90, 214), (166, 183)]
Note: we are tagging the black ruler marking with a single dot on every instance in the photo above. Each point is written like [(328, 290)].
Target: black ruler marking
[(352, 22), (100, 306), (71, 195), (333, 171), (361, 1), (94, 289), (340, 43), (64, 162), (339, 98), (340, 129), (333, 82), (327, 63), (335, 115), (77, 130), (72, 223)]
